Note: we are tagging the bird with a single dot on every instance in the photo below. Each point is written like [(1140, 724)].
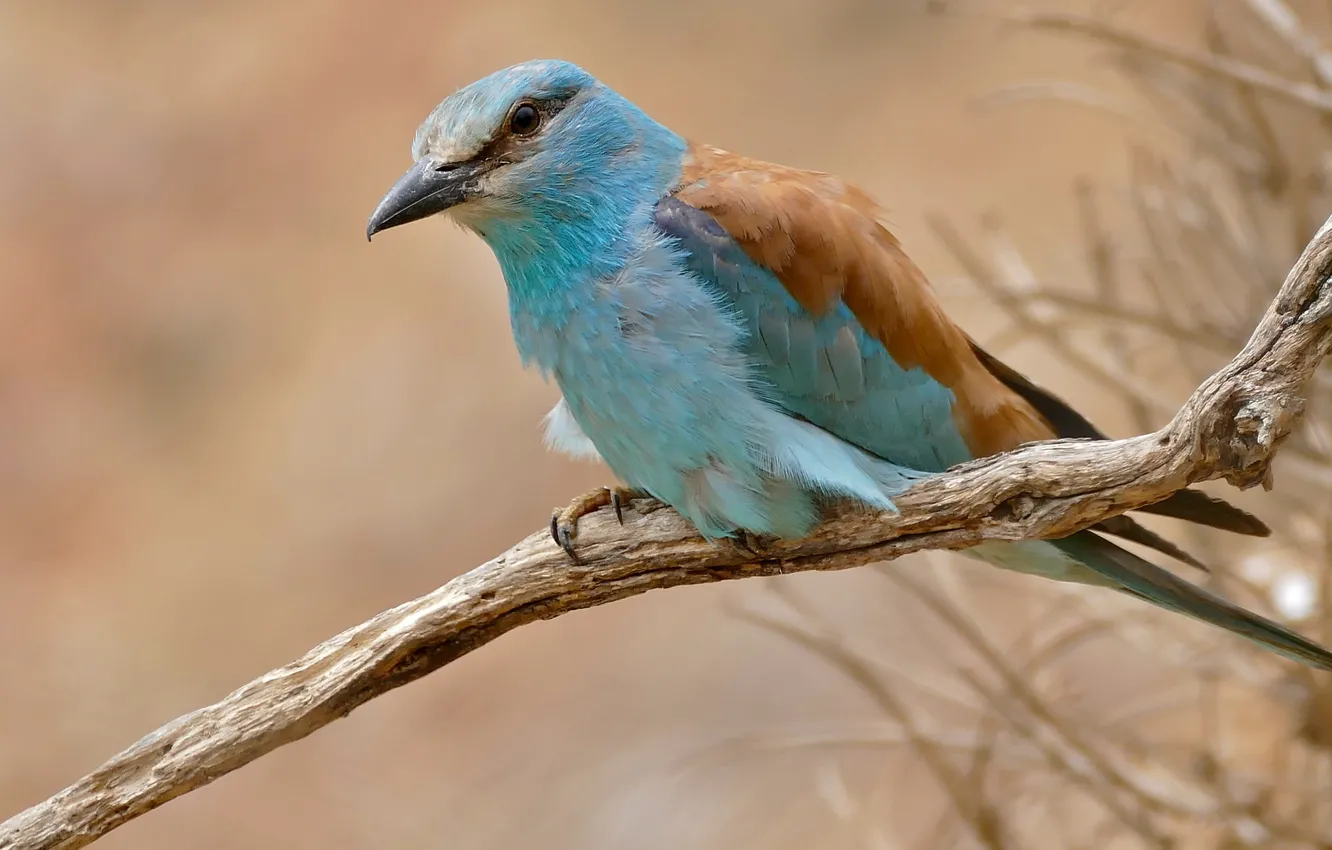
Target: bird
[(747, 342)]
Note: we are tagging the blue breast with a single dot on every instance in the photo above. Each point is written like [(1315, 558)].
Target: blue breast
[(825, 368), (653, 369)]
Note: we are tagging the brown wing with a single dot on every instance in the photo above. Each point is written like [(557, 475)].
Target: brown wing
[(822, 238)]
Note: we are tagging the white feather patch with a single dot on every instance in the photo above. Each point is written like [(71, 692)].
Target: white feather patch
[(564, 435)]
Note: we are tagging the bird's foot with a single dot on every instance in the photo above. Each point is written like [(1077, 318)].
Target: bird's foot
[(564, 521), (753, 545)]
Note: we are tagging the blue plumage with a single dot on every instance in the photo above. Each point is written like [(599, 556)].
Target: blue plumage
[(826, 368), (749, 348), (653, 361)]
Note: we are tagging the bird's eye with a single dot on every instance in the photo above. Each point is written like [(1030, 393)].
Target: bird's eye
[(525, 120)]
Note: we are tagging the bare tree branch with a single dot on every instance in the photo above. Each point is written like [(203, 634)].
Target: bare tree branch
[(1230, 428), (1222, 67)]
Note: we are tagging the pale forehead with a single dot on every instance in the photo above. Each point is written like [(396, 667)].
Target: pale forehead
[(467, 119)]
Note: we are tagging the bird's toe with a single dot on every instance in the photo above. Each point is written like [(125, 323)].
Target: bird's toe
[(564, 521)]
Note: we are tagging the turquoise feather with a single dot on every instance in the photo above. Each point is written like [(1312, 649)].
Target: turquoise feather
[(687, 366)]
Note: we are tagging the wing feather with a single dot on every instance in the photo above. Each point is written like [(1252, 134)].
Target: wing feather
[(861, 323), (821, 237)]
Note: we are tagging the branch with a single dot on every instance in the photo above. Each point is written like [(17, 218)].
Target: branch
[(1230, 428), (1212, 64)]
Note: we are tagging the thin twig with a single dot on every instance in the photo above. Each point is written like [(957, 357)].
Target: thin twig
[(1283, 21), (1218, 66)]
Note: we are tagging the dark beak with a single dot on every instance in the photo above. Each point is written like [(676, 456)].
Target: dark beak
[(427, 188)]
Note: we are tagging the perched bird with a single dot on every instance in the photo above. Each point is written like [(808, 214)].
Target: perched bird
[(745, 341)]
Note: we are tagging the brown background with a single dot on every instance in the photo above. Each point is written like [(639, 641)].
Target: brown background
[(230, 428)]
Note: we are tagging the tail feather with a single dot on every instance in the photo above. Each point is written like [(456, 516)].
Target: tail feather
[(1197, 506), (1188, 505), (1126, 527), (1146, 580)]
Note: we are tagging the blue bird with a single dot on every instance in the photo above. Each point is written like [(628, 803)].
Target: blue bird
[(744, 341)]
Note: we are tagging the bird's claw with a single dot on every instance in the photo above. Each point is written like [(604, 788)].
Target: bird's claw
[(562, 535), (744, 542), (754, 545), (564, 521)]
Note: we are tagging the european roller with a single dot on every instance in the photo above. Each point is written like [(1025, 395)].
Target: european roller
[(743, 341)]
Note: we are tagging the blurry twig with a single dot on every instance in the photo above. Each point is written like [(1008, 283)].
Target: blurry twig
[(1222, 67), (1016, 299), (1283, 21), (1205, 335), (982, 818)]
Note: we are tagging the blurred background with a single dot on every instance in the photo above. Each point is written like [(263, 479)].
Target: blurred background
[(230, 428)]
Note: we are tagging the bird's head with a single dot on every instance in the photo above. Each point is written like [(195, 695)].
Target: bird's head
[(535, 149)]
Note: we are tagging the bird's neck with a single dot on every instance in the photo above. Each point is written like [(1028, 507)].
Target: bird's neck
[(584, 231)]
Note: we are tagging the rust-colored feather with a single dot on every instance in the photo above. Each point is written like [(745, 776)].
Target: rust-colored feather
[(823, 240)]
